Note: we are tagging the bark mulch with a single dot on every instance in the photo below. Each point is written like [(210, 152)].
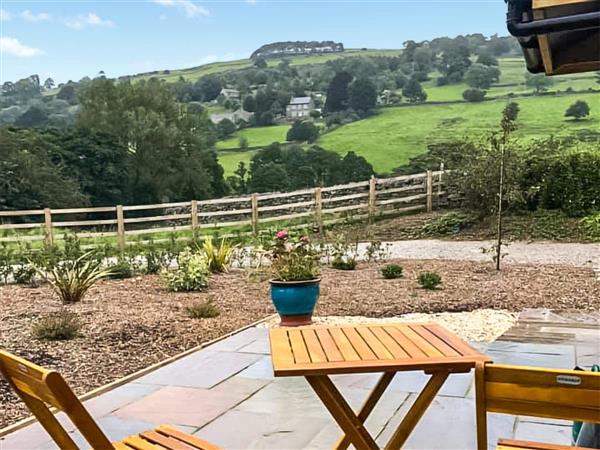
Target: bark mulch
[(130, 324)]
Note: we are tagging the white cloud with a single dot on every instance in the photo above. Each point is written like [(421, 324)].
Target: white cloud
[(12, 46), (32, 17), (4, 15), (187, 6), (89, 19)]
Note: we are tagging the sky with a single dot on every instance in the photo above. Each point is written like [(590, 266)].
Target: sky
[(70, 39)]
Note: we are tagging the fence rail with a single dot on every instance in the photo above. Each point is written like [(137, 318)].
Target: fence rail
[(322, 205)]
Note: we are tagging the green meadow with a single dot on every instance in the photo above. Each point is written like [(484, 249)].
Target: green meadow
[(390, 138)]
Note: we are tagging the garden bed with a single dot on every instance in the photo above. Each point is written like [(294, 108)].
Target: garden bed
[(130, 324)]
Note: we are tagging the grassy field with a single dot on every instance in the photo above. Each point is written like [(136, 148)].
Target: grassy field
[(396, 134), (512, 80), (256, 136)]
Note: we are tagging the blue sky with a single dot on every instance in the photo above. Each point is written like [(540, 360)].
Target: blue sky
[(70, 39)]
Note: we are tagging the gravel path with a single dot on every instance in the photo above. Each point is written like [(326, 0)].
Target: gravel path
[(578, 255)]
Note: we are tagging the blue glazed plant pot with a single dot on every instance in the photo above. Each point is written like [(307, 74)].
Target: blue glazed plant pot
[(295, 300)]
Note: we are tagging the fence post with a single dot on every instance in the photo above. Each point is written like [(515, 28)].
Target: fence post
[(319, 209), (372, 196), (254, 200), (120, 227), (49, 237), (429, 191), (194, 213)]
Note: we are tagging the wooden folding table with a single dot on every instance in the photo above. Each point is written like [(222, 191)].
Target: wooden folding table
[(316, 352)]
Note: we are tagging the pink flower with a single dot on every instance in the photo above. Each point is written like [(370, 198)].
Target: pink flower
[(283, 234)]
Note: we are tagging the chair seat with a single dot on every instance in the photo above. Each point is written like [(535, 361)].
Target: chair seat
[(509, 444), (164, 437)]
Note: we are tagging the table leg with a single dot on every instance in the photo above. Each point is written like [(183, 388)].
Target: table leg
[(341, 412), (417, 410), (368, 405)]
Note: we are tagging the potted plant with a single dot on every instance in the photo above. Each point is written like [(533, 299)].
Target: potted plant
[(295, 286)]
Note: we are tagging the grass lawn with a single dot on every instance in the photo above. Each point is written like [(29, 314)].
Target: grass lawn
[(512, 79), (396, 134), (256, 136), (230, 160)]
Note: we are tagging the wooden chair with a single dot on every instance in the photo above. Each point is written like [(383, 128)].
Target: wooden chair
[(538, 392), (40, 388)]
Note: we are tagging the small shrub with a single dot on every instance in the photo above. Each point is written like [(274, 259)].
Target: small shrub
[(344, 263), (202, 310), (449, 223), (57, 327), (429, 280), (71, 280), (391, 271), (25, 274), (6, 261), (157, 259), (591, 227), (191, 273), (217, 258), (123, 268), (474, 95)]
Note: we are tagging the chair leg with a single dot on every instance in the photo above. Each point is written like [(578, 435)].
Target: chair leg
[(480, 411)]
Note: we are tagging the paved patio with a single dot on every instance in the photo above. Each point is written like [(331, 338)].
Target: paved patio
[(226, 394)]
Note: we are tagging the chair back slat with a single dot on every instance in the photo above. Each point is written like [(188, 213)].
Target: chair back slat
[(551, 393), (40, 388)]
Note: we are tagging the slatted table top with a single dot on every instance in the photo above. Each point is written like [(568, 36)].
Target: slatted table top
[(321, 350)]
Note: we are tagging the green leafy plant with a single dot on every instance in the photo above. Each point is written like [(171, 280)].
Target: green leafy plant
[(377, 251), (591, 227), (124, 267), (71, 280), (57, 327), (294, 259), (191, 273), (217, 258), (202, 310), (449, 223), (429, 280), (156, 257), (6, 261), (391, 271), (341, 263)]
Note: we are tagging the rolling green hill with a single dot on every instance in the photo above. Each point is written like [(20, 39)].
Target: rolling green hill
[(193, 73), (395, 134)]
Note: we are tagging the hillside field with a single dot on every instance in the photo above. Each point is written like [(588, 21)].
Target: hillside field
[(395, 134), (193, 73), (389, 139), (256, 136)]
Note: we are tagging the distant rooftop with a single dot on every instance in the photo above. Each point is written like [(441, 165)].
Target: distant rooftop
[(299, 100)]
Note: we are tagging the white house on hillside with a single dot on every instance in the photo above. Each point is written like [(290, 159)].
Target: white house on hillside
[(299, 107)]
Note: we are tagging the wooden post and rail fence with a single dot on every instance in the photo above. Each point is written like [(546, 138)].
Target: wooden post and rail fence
[(320, 206)]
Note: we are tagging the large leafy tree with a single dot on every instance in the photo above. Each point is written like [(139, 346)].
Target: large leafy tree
[(481, 77), (30, 179), (170, 151), (337, 92), (362, 95), (413, 91)]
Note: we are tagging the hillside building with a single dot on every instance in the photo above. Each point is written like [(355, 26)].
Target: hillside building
[(299, 107)]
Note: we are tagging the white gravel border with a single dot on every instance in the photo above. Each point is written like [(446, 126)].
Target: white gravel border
[(482, 325)]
